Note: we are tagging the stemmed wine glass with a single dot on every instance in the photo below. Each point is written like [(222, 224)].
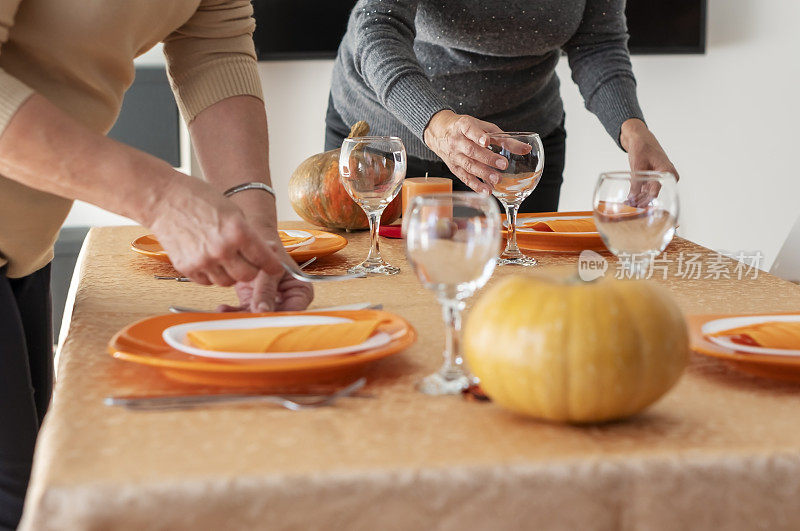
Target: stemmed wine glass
[(452, 242), (525, 155), (372, 169), (636, 213)]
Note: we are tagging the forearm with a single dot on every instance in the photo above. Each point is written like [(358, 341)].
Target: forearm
[(383, 33), (601, 67), (231, 142), (45, 149)]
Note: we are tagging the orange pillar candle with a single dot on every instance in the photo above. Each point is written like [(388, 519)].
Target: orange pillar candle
[(414, 186)]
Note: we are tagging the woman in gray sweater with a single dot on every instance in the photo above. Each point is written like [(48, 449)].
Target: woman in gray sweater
[(442, 74)]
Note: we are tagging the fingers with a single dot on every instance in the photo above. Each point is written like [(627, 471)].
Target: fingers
[(480, 155), (476, 130), (470, 180), (260, 253), (197, 277), (515, 147), (227, 308), (293, 294), (264, 294), (219, 277), (477, 169)]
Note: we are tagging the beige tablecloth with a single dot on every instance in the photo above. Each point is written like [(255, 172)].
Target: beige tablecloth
[(721, 451)]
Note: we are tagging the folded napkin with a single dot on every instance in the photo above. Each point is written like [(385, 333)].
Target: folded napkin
[(287, 240), (284, 338), (772, 334), (563, 225), (618, 209)]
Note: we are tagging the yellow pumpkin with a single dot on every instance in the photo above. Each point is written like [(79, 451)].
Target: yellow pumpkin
[(571, 351)]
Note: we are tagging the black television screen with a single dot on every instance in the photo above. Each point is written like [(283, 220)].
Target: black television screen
[(312, 29)]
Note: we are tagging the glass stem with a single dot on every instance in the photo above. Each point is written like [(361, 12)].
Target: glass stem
[(453, 366), (511, 241), (374, 218)]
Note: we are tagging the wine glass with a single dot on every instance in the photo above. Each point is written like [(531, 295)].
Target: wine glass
[(372, 169), (525, 155), (452, 242), (636, 213)]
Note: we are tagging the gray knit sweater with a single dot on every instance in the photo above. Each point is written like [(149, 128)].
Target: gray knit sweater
[(402, 61)]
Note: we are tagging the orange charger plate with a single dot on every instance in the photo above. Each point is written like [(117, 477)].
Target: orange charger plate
[(141, 343), (325, 243), (557, 241), (764, 365)]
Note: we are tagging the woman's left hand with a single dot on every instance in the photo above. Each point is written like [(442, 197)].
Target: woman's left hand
[(271, 293), (644, 151), (644, 154), (267, 293)]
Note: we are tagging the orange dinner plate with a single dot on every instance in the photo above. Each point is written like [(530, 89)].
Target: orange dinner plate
[(142, 343), (324, 244), (533, 240), (766, 365)]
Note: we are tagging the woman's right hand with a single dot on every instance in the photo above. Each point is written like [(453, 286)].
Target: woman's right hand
[(207, 237), (461, 142)]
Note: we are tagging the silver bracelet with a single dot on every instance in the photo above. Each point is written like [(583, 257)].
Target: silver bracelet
[(250, 186)]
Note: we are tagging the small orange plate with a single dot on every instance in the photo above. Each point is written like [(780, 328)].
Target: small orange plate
[(324, 243), (557, 241), (141, 343), (764, 365)]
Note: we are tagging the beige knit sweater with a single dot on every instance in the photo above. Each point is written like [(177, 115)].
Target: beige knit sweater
[(79, 55)]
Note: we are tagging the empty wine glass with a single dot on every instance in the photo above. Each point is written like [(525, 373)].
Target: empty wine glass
[(372, 169), (525, 155), (452, 242), (636, 213)]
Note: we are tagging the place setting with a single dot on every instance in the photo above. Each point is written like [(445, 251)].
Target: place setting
[(453, 242), (302, 245)]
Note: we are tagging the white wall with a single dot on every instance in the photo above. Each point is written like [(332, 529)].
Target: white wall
[(728, 119)]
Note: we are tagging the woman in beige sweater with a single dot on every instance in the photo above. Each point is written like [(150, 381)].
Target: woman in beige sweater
[(64, 67)]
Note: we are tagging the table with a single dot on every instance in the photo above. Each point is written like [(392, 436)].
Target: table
[(721, 450)]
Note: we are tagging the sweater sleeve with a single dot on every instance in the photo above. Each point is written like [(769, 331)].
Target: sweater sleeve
[(601, 66), (384, 32), (212, 56), (13, 92)]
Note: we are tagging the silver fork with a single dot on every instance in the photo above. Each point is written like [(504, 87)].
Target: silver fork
[(186, 279), (291, 267), (295, 403)]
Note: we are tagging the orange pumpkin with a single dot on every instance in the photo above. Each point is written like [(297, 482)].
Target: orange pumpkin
[(317, 195)]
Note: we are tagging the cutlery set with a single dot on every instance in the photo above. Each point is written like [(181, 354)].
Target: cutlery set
[(293, 402)]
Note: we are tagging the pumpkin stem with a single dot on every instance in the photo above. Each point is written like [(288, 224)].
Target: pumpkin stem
[(360, 128)]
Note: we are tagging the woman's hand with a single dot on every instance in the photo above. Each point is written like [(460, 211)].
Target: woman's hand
[(644, 154), (644, 151), (460, 141), (267, 293), (207, 236)]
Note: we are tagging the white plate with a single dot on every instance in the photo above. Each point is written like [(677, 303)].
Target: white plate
[(531, 221), (175, 336), (299, 234), (720, 325)]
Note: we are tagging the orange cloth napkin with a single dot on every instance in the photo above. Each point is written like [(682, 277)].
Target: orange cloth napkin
[(284, 338), (772, 334), (618, 209), (564, 225), (291, 240)]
